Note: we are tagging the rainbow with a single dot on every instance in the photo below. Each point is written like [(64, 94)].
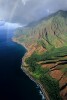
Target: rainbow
[(13, 10)]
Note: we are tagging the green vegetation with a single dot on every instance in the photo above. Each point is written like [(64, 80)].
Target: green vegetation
[(54, 54), (64, 70), (52, 87), (51, 55), (51, 34)]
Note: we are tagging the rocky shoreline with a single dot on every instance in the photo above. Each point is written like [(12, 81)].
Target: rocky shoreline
[(26, 71), (44, 93)]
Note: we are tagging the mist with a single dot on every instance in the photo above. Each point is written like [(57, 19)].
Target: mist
[(26, 11)]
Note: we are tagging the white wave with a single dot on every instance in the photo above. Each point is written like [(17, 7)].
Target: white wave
[(43, 97)]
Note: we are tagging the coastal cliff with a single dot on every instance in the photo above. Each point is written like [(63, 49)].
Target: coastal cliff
[(46, 57)]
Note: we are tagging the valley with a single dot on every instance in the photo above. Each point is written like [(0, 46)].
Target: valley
[(46, 57)]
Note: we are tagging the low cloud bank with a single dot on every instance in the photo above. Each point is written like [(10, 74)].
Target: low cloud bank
[(9, 26)]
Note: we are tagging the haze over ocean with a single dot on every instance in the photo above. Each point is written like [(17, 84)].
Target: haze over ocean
[(14, 84)]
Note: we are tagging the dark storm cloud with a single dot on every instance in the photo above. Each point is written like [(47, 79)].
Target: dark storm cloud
[(25, 11)]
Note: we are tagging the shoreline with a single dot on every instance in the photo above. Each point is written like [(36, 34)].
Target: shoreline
[(37, 83), (44, 93), (22, 44)]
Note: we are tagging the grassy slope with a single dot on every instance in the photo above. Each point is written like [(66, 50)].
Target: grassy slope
[(47, 44), (43, 74)]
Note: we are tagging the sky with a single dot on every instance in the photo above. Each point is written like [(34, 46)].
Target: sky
[(27, 11), (9, 25)]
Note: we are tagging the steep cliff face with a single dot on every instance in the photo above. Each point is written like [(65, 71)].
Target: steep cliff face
[(51, 31), (47, 43)]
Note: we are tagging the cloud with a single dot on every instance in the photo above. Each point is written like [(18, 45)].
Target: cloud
[(12, 25), (24, 1), (26, 11), (2, 23), (9, 26)]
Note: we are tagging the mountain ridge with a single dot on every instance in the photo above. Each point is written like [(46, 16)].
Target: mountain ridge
[(46, 58), (47, 17), (53, 27)]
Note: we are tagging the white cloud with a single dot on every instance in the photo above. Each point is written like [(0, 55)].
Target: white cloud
[(2, 23), (48, 11), (8, 25), (12, 25), (24, 2), (26, 11)]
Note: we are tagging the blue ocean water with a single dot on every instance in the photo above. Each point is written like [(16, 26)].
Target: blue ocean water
[(14, 84)]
